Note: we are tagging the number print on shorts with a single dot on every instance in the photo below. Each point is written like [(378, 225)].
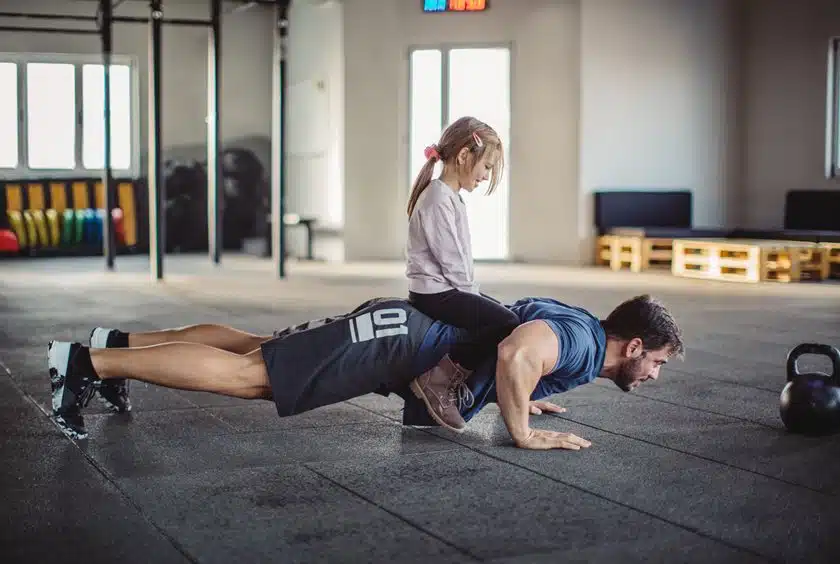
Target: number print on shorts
[(381, 323)]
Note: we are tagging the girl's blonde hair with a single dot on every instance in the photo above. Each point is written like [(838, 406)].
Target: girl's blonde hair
[(468, 132)]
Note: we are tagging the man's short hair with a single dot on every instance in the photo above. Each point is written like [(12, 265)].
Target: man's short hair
[(649, 320)]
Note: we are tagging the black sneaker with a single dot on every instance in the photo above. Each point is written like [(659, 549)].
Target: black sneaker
[(71, 389), (112, 392)]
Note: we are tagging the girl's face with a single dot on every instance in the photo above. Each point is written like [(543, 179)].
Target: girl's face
[(470, 178)]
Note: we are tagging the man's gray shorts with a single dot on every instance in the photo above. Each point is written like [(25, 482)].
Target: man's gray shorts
[(334, 359)]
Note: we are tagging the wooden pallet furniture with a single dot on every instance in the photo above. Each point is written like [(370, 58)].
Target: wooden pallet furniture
[(633, 251), (749, 261), (833, 252)]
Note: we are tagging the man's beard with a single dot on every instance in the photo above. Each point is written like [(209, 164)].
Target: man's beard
[(628, 373)]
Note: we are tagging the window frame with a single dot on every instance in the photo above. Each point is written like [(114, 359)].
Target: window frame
[(23, 172)]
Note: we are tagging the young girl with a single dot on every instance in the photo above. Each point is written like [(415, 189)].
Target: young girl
[(440, 263)]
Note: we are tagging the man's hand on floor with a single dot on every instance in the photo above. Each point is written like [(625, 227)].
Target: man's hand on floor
[(541, 439), (540, 407)]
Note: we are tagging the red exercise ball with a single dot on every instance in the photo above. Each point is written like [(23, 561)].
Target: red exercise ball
[(8, 241)]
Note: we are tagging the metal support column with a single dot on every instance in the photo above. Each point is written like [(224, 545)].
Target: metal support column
[(832, 110), (278, 138), (157, 187), (106, 28), (214, 164)]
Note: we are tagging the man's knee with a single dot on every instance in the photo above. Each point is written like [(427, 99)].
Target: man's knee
[(254, 369), (252, 380), (262, 393)]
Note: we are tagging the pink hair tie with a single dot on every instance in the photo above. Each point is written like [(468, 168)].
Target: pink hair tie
[(431, 152)]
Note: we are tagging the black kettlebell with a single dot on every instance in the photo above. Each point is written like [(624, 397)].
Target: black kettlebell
[(810, 402)]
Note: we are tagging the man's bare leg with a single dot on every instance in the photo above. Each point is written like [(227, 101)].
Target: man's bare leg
[(187, 366), (114, 392), (76, 370)]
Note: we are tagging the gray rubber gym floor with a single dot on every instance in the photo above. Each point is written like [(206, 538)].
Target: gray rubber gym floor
[(695, 467)]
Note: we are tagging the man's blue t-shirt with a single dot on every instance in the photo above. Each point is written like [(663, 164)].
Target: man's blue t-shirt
[(582, 349), (581, 345)]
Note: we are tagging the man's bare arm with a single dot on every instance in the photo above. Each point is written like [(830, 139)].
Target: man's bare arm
[(526, 355)]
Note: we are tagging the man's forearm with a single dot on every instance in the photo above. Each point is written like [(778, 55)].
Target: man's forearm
[(513, 390)]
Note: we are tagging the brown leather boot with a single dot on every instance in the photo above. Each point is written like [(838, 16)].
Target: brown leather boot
[(440, 388)]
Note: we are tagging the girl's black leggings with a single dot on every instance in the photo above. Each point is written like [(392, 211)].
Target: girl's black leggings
[(484, 316)]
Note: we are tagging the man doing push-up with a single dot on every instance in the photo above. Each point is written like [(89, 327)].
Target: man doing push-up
[(384, 346)]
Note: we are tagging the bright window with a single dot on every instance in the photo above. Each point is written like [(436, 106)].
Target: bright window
[(93, 117), (426, 106), (490, 68), (51, 115), (8, 115)]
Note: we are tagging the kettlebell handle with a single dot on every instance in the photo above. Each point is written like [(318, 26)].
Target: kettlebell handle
[(813, 348)]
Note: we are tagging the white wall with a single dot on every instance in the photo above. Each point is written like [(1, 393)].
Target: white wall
[(543, 168), (785, 103), (659, 102), (373, 152), (546, 122)]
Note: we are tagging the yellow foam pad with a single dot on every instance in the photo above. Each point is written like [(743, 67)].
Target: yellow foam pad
[(16, 221), (126, 202), (31, 232), (58, 196), (99, 195), (35, 193), (14, 197), (81, 200), (54, 225), (40, 222)]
